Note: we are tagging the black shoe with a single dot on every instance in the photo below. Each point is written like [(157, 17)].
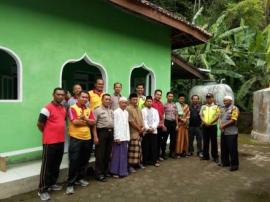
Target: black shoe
[(216, 160), (101, 179), (223, 165), (172, 155), (205, 159), (190, 154), (234, 168)]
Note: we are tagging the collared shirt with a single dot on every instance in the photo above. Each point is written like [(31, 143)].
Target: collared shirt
[(170, 111), (104, 117), (195, 119), (95, 98), (75, 112), (209, 113), (73, 100), (53, 116), (227, 114), (115, 101), (135, 116), (158, 105), (150, 118), (121, 125), (141, 101)]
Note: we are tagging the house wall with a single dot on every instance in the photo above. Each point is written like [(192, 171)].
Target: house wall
[(46, 34)]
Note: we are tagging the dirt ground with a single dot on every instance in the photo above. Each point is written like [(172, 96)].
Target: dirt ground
[(186, 179)]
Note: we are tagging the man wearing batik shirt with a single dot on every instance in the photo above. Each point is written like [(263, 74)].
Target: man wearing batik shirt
[(81, 119), (229, 135), (161, 135), (136, 131), (51, 123), (171, 123)]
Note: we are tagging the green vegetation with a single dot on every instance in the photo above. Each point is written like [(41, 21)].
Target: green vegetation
[(239, 50)]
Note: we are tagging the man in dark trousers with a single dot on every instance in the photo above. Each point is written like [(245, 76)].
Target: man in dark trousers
[(51, 123), (81, 119), (229, 135), (209, 115), (103, 139), (195, 125)]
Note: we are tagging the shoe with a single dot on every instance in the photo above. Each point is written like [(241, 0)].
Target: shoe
[(172, 155), (101, 179), (115, 176), (161, 158), (216, 160), (190, 154), (223, 165), (234, 168), (205, 159), (44, 196), (108, 175), (131, 170), (70, 190), (82, 183), (156, 164), (55, 187), (141, 166), (200, 154)]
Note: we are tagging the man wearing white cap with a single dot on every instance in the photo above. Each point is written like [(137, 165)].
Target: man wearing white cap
[(229, 135), (119, 159)]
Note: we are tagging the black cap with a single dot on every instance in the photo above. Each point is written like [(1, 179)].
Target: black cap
[(209, 95)]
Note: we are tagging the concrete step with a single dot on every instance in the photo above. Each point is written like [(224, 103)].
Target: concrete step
[(24, 177)]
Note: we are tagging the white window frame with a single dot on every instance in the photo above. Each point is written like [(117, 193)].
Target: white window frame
[(150, 72), (19, 75), (87, 59)]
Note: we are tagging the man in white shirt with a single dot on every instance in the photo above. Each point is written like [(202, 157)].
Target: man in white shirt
[(119, 160), (149, 142)]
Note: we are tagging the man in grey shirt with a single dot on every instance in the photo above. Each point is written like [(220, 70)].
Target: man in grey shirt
[(229, 135), (103, 138), (116, 95)]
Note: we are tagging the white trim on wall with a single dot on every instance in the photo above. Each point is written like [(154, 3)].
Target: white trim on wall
[(88, 60), (19, 75), (151, 72)]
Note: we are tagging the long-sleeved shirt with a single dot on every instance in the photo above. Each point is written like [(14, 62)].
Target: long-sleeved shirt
[(121, 125), (150, 118)]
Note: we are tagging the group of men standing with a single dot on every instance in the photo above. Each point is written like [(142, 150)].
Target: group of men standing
[(129, 133)]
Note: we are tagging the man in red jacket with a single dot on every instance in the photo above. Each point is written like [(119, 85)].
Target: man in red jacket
[(51, 123)]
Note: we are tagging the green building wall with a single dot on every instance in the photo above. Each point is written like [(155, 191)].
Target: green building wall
[(46, 34)]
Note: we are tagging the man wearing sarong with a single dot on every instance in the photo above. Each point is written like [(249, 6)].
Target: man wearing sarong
[(182, 141), (119, 159), (149, 141), (136, 130)]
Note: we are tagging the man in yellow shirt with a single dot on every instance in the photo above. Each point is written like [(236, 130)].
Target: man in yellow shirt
[(95, 95), (141, 96), (81, 119), (209, 115)]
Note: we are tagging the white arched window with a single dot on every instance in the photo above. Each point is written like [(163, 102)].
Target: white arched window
[(141, 74), (82, 71), (10, 76)]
